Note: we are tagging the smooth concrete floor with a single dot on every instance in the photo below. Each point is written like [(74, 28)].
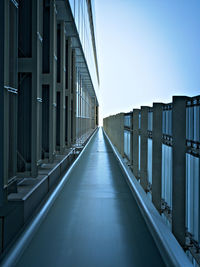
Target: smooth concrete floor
[(95, 221)]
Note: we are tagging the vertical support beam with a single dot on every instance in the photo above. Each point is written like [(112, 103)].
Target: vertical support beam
[(96, 115), (63, 80), (121, 133), (46, 82), (179, 168), (10, 81), (143, 155), (35, 82), (2, 159), (52, 82), (5, 126), (131, 140), (135, 142), (69, 92), (93, 112), (74, 95), (60, 109), (157, 155), (36, 90), (39, 78)]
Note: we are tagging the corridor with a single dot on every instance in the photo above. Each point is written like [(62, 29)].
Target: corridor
[(95, 220)]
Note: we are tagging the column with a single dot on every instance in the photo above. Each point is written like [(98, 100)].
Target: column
[(143, 155), (157, 155), (135, 142), (2, 92), (49, 70), (69, 80), (60, 113), (73, 91), (179, 168)]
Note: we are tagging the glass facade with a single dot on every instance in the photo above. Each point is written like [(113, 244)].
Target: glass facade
[(127, 121), (85, 106), (150, 120), (149, 161), (167, 175), (139, 121), (80, 10), (193, 121), (127, 139), (167, 120)]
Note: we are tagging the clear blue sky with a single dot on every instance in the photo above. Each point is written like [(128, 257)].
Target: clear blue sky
[(148, 50)]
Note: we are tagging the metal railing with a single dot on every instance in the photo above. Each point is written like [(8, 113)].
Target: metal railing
[(162, 148)]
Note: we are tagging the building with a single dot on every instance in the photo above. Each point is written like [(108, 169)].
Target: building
[(48, 102)]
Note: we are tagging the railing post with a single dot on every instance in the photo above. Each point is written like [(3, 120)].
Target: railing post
[(135, 142), (143, 157), (121, 133), (157, 155), (179, 170)]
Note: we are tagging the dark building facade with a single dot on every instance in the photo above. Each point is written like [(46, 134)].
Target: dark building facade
[(48, 100)]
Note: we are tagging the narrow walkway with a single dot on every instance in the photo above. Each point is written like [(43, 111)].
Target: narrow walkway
[(95, 221)]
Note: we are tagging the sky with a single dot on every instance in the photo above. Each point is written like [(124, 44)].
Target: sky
[(148, 51)]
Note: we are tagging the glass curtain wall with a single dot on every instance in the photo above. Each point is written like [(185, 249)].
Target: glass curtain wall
[(127, 136), (80, 11), (84, 108)]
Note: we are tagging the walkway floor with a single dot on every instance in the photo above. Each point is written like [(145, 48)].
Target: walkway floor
[(95, 221)]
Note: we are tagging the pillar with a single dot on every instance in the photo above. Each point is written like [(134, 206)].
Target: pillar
[(157, 155), (179, 167), (135, 142), (144, 148)]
